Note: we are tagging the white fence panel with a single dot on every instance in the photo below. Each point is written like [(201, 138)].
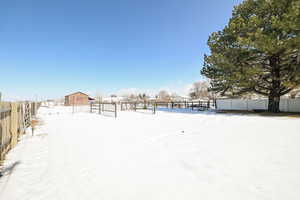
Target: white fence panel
[(224, 104), (293, 105), (283, 106), (258, 104), (286, 105), (239, 104)]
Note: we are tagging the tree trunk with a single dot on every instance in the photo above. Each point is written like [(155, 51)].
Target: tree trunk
[(274, 102), (274, 95)]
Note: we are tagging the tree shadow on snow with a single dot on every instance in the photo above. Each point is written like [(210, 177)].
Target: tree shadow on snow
[(228, 113), (187, 111), (145, 111), (108, 114), (6, 171)]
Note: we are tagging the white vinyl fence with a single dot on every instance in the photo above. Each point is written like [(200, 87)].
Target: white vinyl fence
[(286, 105)]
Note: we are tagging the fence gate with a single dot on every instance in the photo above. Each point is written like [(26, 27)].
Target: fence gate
[(102, 108)]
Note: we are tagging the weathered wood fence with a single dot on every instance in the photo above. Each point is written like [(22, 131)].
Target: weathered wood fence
[(14, 119)]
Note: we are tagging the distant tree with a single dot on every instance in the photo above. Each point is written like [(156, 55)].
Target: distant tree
[(199, 90), (99, 96), (129, 96), (164, 95), (258, 51), (174, 96), (59, 101), (142, 96), (132, 97)]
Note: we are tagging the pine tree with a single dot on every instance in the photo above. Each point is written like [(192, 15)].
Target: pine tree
[(258, 51)]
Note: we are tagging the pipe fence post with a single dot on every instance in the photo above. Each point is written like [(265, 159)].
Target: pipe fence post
[(115, 110)]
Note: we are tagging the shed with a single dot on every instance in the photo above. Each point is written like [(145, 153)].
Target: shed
[(77, 98)]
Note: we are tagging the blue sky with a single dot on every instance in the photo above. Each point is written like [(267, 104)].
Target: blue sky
[(51, 48)]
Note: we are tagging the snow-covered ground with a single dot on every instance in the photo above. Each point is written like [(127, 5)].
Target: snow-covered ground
[(170, 155)]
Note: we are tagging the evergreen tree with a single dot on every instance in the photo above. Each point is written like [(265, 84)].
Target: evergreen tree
[(258, 51)]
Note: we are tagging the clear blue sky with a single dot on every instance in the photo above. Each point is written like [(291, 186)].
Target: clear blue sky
[(52, 47)]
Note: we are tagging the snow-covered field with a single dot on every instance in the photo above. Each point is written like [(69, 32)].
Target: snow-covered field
[(167, 156)]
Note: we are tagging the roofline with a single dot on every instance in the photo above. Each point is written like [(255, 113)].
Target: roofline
[(76, 93)]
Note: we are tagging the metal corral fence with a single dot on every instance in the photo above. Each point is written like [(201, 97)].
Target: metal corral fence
[(286, 105), (14, 119), (139, 105), (102, 108), (105, 107), (199, 105), (193, 105)]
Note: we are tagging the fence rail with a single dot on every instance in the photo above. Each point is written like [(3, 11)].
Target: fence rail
[(101, 107), (139, 105), (203, 105), (14, 119)]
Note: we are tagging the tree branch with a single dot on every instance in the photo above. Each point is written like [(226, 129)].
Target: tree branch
[(287, 91), (260, 92)]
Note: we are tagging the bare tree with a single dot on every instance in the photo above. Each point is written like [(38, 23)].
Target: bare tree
[(200, 90), (99, 96), (142, 96), (164, 95)]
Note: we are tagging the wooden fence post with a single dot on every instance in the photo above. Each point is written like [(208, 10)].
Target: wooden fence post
[(5, 134), (14, 124)]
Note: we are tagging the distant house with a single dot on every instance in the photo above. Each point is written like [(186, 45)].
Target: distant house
[(78, 98)]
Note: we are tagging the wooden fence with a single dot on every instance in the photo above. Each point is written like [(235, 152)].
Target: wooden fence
[(14, 119)]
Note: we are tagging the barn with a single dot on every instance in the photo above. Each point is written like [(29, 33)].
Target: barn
[(77, 98)]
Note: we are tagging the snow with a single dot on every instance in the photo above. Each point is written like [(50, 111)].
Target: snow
[(171, 155)]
